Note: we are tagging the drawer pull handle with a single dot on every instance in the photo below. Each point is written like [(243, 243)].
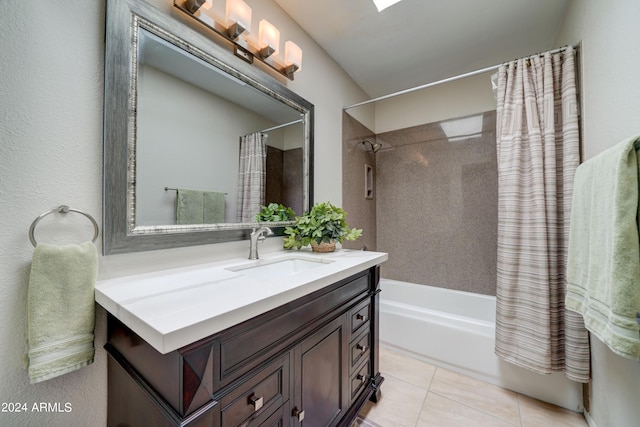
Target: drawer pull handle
[(298, 414), (361, 347), (361, 377), (361, 317), (256, 401)]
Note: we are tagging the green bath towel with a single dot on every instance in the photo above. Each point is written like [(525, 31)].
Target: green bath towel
[(60, 311), (603, 268)]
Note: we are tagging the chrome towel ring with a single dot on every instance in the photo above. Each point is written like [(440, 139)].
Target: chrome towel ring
[(61, 209)]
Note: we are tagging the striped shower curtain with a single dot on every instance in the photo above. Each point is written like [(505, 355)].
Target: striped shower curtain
[(252, 173), (538, 152)]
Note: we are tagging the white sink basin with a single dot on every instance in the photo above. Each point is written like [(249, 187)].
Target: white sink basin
[(280, 268)]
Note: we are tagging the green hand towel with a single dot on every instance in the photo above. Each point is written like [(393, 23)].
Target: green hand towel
[(189, 206), (603, 266), (213, 207), (60, 312)]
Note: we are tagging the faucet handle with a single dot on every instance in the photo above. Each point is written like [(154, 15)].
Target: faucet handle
[(264, 232)]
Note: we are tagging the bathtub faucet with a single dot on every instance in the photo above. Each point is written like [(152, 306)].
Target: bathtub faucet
[(257, 235)]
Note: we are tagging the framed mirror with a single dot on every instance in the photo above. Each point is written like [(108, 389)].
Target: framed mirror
[(195, 140)]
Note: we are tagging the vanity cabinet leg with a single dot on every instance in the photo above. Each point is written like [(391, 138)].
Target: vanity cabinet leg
[(376, 378), (375, 384)]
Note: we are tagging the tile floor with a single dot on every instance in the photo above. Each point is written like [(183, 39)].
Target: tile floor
[(417, 394)]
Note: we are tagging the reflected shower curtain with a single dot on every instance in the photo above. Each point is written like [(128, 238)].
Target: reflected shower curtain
[(538, 152), (251, 175)]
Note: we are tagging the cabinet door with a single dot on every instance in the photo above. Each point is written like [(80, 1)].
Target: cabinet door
[(321, 377)]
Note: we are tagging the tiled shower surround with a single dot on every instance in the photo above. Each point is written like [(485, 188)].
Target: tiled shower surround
[(361, 212), (284, 178), (436, 201)]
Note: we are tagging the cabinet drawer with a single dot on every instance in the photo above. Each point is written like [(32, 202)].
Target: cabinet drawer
[(359, 349), (359, 380), (280, 418), (359, 315), (255, 400)]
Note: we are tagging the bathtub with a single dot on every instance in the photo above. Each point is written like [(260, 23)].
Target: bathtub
[(456, 330)]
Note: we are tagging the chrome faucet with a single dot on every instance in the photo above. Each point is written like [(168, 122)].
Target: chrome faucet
[(257, 235)]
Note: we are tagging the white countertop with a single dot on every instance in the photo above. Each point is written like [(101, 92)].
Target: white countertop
[(173, 308)]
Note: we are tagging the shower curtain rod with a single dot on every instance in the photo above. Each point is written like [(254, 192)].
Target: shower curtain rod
[(282, 125), (447, 80)]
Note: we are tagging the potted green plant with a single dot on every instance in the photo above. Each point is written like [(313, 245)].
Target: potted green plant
[(321, 228), (275, 212)]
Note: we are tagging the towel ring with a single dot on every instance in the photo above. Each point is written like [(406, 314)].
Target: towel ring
[(61, 209)]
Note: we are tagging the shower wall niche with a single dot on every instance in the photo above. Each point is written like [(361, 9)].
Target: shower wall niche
[(436, 202)]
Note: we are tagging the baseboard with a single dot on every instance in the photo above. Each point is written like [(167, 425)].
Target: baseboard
[(590, 420)]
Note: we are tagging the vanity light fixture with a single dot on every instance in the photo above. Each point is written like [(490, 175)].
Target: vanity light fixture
[(292, 57), (265, 47), (239, 14), (268, 39), (193, 5)]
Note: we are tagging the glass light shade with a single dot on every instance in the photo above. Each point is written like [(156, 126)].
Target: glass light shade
[(292, 55), (238, 12), (268, 36)]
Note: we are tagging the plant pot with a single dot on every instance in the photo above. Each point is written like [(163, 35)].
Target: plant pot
[(324, 247)]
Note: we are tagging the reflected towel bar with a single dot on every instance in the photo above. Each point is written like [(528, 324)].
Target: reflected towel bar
[(175, 189)]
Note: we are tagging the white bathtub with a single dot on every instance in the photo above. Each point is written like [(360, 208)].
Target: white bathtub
[(456, 330)]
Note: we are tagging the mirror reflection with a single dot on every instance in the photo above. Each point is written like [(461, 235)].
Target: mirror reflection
[(195, 139), (210, 148)]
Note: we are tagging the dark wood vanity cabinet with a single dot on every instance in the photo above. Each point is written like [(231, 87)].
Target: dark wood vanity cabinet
[(310, 362)]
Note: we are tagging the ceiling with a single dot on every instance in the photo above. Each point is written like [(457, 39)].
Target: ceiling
[(415, 42)]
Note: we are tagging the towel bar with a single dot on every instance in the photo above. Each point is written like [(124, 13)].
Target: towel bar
[(61, 209), (175, 189)]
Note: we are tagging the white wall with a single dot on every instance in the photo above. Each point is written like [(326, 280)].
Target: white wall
[(459, 98), (51, 105), (609, 33)]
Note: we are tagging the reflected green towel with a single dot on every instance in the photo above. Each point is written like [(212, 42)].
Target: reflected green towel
[(199, 207), (189, 206), (60, 311), (213, 207), (603, 268)]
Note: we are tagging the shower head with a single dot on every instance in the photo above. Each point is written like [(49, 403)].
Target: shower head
[(375, 146)]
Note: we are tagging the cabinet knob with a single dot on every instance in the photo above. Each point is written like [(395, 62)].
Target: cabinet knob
[(361, 377), (298, 414), (361, 317), (256, 401), (361, 347)]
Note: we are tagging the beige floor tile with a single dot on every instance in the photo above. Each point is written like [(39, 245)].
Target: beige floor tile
[(406, 368), (536, 413), (479, 395), (453, 400), (439, 411), (399, 405)]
